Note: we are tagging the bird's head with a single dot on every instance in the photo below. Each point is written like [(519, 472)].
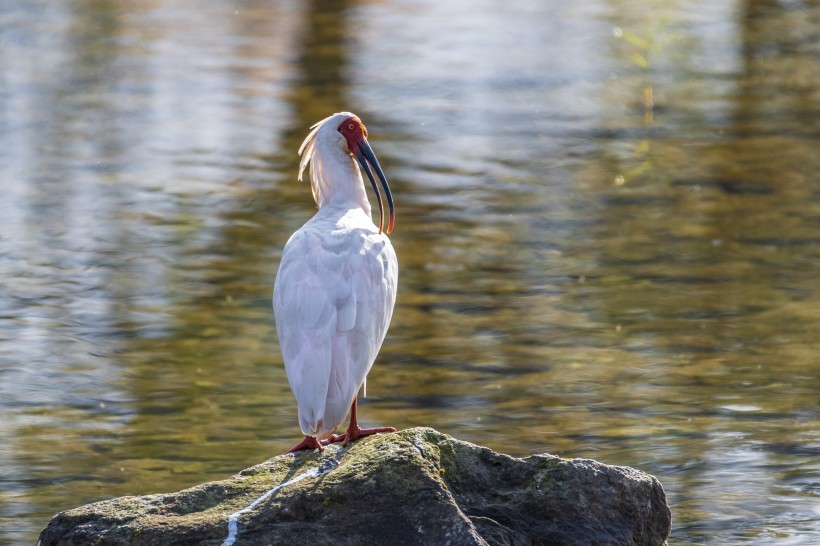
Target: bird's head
[(351, 135)]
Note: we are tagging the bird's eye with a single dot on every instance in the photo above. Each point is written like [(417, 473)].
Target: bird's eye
[(350, 127)]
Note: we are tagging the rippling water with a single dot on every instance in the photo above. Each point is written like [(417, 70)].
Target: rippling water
[(607, 229)]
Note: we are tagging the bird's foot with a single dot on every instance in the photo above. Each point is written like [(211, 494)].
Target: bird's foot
[(310, 442), (356, 433), (332, 439)]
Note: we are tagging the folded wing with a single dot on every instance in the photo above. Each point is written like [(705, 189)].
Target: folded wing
[(333, 299)]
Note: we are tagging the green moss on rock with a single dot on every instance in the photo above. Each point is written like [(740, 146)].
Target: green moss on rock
[(416, 486)]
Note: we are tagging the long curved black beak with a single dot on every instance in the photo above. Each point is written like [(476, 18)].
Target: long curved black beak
[(365, 155)]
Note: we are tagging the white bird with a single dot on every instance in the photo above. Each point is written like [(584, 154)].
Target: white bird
[(336, 286)]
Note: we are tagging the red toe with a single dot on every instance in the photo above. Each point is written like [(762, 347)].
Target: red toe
[(310, 442)]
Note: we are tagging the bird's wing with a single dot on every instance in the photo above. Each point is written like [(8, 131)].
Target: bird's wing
[(333, 299), (373, 290), (302, 310)]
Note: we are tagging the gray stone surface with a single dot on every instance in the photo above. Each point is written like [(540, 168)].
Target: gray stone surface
[(417, 486)]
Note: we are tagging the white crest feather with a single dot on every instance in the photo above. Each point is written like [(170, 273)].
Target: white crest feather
[(307, 151)]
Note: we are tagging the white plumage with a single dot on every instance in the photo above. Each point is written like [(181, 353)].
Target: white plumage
[(336, 286)]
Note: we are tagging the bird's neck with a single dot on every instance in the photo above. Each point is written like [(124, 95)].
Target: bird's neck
[(336, 180)]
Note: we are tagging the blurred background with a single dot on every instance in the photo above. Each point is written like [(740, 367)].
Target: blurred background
[(607, 230)]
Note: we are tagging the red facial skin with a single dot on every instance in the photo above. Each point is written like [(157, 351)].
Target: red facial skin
[(354, 132)]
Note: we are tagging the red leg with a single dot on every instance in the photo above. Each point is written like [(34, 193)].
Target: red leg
[(353, 430), (310, 442)]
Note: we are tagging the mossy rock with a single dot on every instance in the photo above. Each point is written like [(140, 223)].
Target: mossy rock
[(417, 486)]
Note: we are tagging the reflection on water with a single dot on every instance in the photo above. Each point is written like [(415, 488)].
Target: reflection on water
[(607, 233)]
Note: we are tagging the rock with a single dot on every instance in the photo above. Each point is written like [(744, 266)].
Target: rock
[(417, 486)]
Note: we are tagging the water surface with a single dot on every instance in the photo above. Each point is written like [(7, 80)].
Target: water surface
[(607, 229)]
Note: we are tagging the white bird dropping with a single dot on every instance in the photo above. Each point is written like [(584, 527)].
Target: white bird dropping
[(336, 286)]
